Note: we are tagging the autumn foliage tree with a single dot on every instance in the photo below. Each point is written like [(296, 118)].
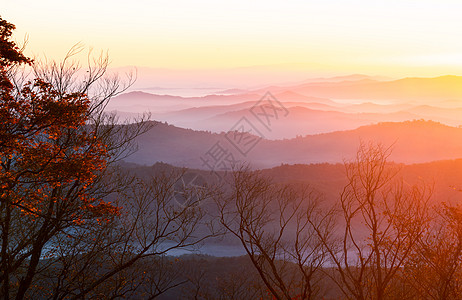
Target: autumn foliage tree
[(49, 159), (73, 225)]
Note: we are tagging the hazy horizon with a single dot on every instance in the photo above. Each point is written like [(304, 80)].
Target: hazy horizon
[(270, 39)]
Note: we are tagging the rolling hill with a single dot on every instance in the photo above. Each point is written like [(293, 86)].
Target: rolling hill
[(413, 142)]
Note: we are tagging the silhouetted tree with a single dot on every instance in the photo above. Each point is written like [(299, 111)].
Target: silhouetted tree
[(72, 225), (382, 222), (434, 268), (271, 222)]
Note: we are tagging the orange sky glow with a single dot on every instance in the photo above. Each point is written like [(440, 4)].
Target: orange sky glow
[(390, 38)]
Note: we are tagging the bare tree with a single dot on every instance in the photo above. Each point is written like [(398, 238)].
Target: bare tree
[(231, 278), (116, 258), (435, 265), (382, 221), (271, 223)]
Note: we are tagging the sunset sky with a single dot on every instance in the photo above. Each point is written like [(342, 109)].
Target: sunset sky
[(391, 38)]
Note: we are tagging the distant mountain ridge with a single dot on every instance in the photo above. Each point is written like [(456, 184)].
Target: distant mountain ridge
[(444, 176), (448, 87), (413, 142), (318, 106), (307, 115)]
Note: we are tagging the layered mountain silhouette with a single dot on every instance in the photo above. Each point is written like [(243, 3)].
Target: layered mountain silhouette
[(320, 120), (359, 101), (412, 142)]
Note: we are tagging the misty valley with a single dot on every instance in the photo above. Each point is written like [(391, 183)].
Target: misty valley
[(310, 198)]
